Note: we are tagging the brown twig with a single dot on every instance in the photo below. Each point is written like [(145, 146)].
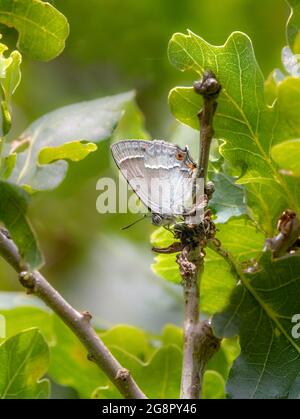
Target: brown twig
[(78, 322), (190, 266), (209, 88), (199, 342)]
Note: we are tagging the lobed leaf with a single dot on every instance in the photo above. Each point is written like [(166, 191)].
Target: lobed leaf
[(155, 361), (260, 310), (246, 124), (42, 28), (159, 377), (24, 360)]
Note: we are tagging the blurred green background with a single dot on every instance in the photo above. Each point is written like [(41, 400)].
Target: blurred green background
[(114, 46)]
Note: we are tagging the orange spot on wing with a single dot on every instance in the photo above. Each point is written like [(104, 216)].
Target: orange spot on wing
[(179, 156), (192, 166)]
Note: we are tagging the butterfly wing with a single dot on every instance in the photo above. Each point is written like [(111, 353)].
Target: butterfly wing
[(158, 172)]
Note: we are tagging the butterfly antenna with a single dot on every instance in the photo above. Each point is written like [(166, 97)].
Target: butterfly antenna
[(135, 222)]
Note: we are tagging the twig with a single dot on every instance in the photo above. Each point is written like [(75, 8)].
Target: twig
[(78, 322), (209, 88), (190, 265), (199, 342)]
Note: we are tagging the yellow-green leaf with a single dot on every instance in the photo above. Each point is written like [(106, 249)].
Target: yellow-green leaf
[(287, 156), (213, 385), (74, 151), (42, 28), (24, 360)]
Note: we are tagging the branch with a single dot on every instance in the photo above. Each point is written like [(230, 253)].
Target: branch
[(190, 266), (209, 88), (199, 341), (78, 322)]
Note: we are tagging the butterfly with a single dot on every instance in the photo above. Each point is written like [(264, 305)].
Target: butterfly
[(161, 174)]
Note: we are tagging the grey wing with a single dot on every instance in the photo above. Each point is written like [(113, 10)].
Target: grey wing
[(162, 182)]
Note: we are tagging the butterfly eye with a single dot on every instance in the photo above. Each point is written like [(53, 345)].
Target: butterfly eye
[(179, 156)]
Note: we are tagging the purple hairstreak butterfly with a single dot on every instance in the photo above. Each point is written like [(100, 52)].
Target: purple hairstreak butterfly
[(162, 175)]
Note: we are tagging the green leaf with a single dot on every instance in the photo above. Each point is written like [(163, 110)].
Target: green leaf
[(93, 120), (229, 199), (293, 26), (213, 385), (287, 155), (165, 266), (42, 28), (271, 87), (217, 281), (247, 126), (295, 390), (69, 365), (10, 76), (260, 310), (11, 80), (22, 318), (13, 207), (131, 339), (172, 335), (23, 312), (222, 360), (106, 392), (24, 360), (232, 234), (6, 118), (74, 151), (7, 166), (159, 377)]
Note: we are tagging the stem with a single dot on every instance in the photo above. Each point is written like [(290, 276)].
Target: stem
[(199, 341), (190, 270), (209, 88), (200, 344), (78, 322)]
